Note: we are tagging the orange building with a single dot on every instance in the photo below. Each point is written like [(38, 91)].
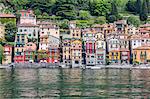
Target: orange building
[(141, 54)]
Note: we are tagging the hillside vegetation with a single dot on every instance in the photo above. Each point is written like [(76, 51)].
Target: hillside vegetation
[(85, 11)]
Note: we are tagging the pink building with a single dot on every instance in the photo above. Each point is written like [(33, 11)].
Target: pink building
[(8, 54), (27, 16)]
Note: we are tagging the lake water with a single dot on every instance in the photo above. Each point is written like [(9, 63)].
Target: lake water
[(74, 84)]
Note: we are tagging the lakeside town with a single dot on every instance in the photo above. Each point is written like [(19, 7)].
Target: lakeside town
[(43, 41)]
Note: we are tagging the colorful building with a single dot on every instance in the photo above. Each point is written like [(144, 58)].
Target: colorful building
[(49, 40), (27, 32), (141, 54), (124, 49), (89, 43), (113, 45), (67, 52), (100, 49), (29, 52), (121, 27), (27, 17), (135, 41), (54, 49), (7, 54), (76, 53)]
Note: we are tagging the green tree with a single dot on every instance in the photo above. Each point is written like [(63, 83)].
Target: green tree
[(37, 12), (113, 15), (83, 15), (101, 8), (148, 5), (11, 30), (100, 20), (130, 6), (138, 6), (83, 4), (1, 53), (66, 9), (111, 18), (114, 10), (132, 20), (144, 12), (64, 24)]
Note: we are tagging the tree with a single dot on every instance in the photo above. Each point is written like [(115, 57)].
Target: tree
[(113, 15), (11, 30), (148, 5), (66, 9), (99, 8), (138, 6), (100, 20), (130, 6), (64, 24), (102, 7), (1, 53), (83, 4), (132, 20), (144, 12), (37, 12), (83, 15), (111, 18)]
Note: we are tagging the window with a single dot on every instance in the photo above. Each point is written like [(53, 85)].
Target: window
[(92, 56), (29, 35), (20, 30), (25, 30), (76, 62), (77, 34)]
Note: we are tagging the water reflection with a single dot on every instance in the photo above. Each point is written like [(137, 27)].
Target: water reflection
[(74, 84)]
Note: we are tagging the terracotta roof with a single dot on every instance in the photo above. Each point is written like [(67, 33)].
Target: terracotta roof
[(120, 22), (144, 30), (99, 25), (44, 36), (145, 47), (45, 23), (123, 49), (27, 25), (2, 15), (46, 27), (114, 51), (135, 37), (145, 25)]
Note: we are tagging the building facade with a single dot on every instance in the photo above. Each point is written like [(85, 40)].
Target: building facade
[(100, 49), (141, 55), (89, 43), (76, 53), (8, 54)]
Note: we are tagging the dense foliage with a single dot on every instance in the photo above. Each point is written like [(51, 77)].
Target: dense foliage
[(80, 9), (11, 30)]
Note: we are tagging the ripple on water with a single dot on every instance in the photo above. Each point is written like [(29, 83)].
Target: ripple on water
[(74, 84)]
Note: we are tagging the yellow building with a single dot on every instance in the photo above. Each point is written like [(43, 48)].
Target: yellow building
[(141, 54), (76, 51), (67, 51), (2, 31), (114, 56)]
